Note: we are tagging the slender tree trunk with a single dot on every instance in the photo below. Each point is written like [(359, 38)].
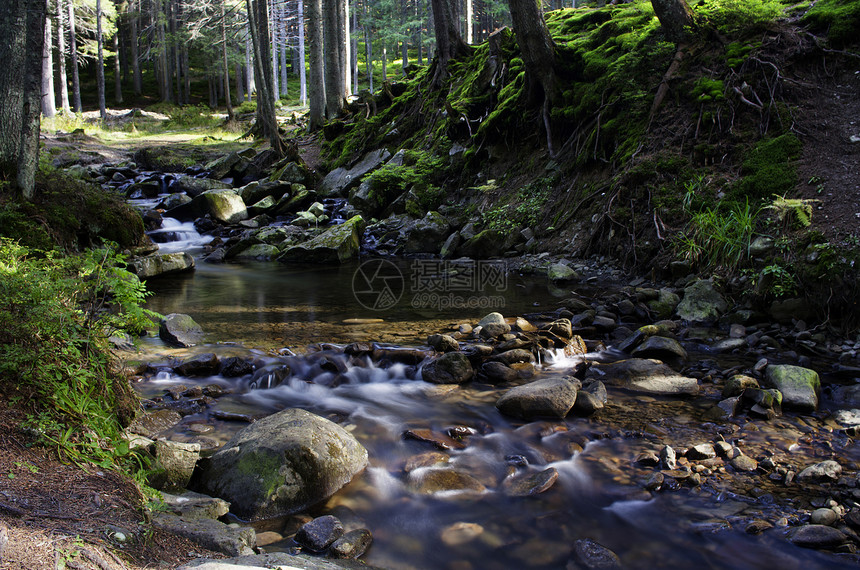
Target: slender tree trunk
[(354, 50), (368, 48), (418, 35), (226, 63), (332, 19), (49, 99), (347, 51), (240, 83), (316, 83), (186, 74), (404, 45), (249, 62), (175, 49), (117, 72), (61, 48), (23, 25), (285, 87), (267, 121), (137, 81), (468, 24), (303, 79), (273, 38), (100, 68), (384, 63)]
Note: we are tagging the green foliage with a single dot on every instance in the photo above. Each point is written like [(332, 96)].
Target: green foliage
[(55, 315), (524, 211), (417, 173), (839, 18), (739, 16), (737, 52), (718, 239), (797, 210), (707, 90), (246, 107), (780, 282), (187, 116), (769, 169)]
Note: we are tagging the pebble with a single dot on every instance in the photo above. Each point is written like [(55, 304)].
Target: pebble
[(461, 533), (818, 536), (827, 517), (744, 463)]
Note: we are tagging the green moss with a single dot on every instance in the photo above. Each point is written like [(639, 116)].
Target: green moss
[(738, 52), (840, 19), (740, 16), (768, 170), (706, 90)]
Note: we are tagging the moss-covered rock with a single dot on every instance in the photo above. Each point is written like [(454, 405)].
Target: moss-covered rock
[(334, 245), (800, 387), (226, 206), (701, 303)]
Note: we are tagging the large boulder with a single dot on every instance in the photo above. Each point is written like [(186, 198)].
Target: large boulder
[(701, 302), (799, 386), (643, 375), (335, 245), (283, 464), (486, 245), (177, 329), (549, 397), (425, 235), (339, 180), (159, 265), (196, 186), (450, 368), (223, 205)]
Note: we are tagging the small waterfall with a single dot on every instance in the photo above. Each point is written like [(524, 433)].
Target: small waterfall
[(176, 236)]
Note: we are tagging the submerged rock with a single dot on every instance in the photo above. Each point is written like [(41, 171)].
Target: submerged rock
[(283, 464), (592, 555), (320, 533), (643, 375), (530, 483)]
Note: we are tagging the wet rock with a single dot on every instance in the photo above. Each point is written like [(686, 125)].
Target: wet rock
[(461, 533), (757, 526), (847, 395), (282, 464), (724, 409), (818, 536), (668, 458), (764, 403), (701, 303), (561, 272), (575, 347), (443, 343), (177, 329), (488, 244), (281, 560), (209, 533), (498, 373), (425, 235), (450, 368), (510, 357), (351, 545), (431, 480), (201, 365), (847, 418), (320, 533), (744, 463), (194, 187), (549, 397), (530, 484), (439, 440), (665, 304), (700, 452), (159, 265), (429, 459), (339, 180), (592, 555), (799, 386), (589, 399), (151, 423), (175, 463), (823, 516), (194, 506), (728, 345), (524, 325), (225, 206), (494, 330), (335, 245), (736, 385), (648, 458), (235, 367), (560, 327), (491, 319), (661, 348), (643, 375), (823, 471)]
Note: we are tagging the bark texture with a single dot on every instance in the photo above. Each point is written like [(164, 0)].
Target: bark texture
[(316, 83), (449, 43), (537, 48), (675, 17)]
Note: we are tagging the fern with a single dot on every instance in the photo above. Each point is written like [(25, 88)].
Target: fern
[(793, 209)]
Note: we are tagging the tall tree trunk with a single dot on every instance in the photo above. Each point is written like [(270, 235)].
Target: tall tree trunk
[(354, 50), (404, 47), (117, 72), (346, 45), (675, 17), (273, 38), (536, 47), (449, 43), (49, 99), (316, 83), (468, 24), (61, 45), (175, 49), (384, 62), (368, 49), (303, 79), (267, 121), (285, 88), (332, 20), (23, 24), (73, 50), (240, 83), (226, 63), (161, 41), (249, 62), (137, 81), (418, 35), (100, 66)]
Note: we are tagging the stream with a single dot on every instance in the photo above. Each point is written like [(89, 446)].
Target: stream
[(284, 316)]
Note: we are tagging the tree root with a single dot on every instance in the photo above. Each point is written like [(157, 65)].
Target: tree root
[(663, 89)]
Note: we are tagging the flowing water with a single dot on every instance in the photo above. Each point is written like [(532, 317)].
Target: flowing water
[(255, 309)]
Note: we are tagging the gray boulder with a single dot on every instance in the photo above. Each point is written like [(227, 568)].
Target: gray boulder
[(226, 206), (661, 348), (339, 180), (180, 330), (701, 303), (194, 506), (426, 235), (549, 397), (196, 186), (335, 245), (320, 533), (450, 368), (159, 265), (209, 533), (818, 536), (643, 375), (799, 386), (823, 471), (561, 272), (486, 245), (175, 463), (283, 464)]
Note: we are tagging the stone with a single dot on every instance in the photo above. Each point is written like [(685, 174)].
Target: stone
[(225, 206), (429, 480), (589, 399), (488, 244), (194, 187), (513, 356), (281, 560), (426, 235), (340, 180), (665, 304), (178, 329), (818, 536), (744, 463), (701, 303), (530, 484), (823, 516), (450, 368), (261, 206), (439, 440), (201, 365), (159, 265), (593, 555), (351, 545), (701, 451), (195, 506), (460, 533), (492, 318), (335, 245), (823, 471), (494, 330), (736, 385), (561, 272), (560, 327), (151, 423), (320, 533), (209, 533), (283, 464), (452, 242), (260, 252), (443, 343), (760, 246), (498, 372), (176, 463), (661, 348), (800, 387), (847, 395), (847, 418), (548, 397), (643, 375), (668, 457), (292, 173)]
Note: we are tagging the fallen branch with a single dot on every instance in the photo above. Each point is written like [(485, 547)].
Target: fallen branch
[(745, 100)]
